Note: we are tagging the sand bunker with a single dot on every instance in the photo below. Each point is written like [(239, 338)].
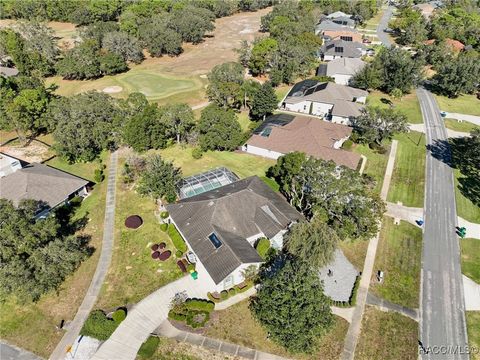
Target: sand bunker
[(112, 89)]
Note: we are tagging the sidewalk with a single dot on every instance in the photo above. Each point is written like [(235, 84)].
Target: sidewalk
[(90, 298), (472, 294), (355, 326)]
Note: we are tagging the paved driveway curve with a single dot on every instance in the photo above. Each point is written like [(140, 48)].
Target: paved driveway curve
[(382, 25), (101, 271)]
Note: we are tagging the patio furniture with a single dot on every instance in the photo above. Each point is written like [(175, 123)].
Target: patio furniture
[(155, 255), (154, 247), (215, 295), (242, 285), (164, 255), (133, 222), (182, 266)]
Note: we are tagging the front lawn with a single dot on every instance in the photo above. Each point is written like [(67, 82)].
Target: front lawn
[(408, 177), (387, 336), (236, 325), (84, 170), (465, 208), (21, 323), (473, 328), (464, 126), (464, 104), (242, 164), (470, 249), (408, 104), (355, 251), (376, 162), (133, 274), (399, 257)]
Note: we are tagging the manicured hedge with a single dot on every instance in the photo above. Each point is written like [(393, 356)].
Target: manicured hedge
[(149, 347), (98, 326), (164, 227), (199, 304), (262, 247), (119, 315), (194, 312), (176, 238), (164, 214)]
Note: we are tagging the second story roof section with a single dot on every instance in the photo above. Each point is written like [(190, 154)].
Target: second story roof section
[(334, 49)]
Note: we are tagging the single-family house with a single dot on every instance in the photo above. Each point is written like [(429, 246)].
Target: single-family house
[(8, 164), (281, 134), (341, 18), (453, 45), (40, 182), (342, 70), (222, 226), (428, 8), (342, 34), (328, 24), (334, 102), (338, 48)]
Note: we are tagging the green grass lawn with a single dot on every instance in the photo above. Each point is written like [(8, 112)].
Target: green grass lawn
[(21, 323), (399, 257), (372, 23), (376, 162), (387, 336), (237, 325), (282, 91), (463, 126), (464, 104), (408, 105), (473, 328), (408, 177), (84, 170), (242, 164), (470, 249), (355, 252), (133, 274), (465, 208)]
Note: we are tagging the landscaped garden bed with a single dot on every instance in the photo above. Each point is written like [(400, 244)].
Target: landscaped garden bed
[(192, 312), (225, 294), (100, 325)]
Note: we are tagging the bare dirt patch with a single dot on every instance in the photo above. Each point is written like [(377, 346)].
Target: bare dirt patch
[(34, 152), (112, 89)]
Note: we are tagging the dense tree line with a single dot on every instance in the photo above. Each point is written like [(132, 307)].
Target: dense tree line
[(36, 256)]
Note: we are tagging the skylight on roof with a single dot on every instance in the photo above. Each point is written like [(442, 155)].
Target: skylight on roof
[(215, 240)]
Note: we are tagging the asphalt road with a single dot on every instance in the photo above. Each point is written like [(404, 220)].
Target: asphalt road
[(442, 318), (383, 24)]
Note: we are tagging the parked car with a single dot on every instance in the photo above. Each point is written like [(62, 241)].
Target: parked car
[(366, 41), (443, 114)]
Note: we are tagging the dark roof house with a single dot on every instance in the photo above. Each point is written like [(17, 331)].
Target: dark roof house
[(216, 224), (341, 48), (40, 182)]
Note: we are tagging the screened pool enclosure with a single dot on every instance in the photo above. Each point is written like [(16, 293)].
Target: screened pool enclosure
[(200, 183)]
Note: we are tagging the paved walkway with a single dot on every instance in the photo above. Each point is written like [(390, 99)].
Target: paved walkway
[(101, 271), (472, 294), (464, 117), (412, 214), (11, 352), (450, 133), (345, 313), (236, 299), (355, 326), (168, 330), (386, 305)]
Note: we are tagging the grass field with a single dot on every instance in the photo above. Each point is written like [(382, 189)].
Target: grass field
[(463, 126), (376, 162), (242, 164), (473, 328), (133, 274), (387, 336), (408, 177), (464, 104), (282, 91), (236, 325), (408, 105), (470, 250), (465, 208), (83, 170), (21, 324), (399, 257)]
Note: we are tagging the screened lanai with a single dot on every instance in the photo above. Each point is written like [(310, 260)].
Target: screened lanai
[(200, 183)]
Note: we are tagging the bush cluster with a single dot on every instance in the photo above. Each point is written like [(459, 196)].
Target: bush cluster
[(177, 239), (99, 326), (194, 312), (262, 247)]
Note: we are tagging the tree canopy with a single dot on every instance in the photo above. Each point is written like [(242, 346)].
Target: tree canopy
[(292, 307), (36, 256), (219, 129), (341, 197), (264, 101), (225, 84)]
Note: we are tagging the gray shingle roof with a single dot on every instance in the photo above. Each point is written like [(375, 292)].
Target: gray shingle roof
[(234, 213), (350, 48), (39, 182), (330, 25), (345, 66)]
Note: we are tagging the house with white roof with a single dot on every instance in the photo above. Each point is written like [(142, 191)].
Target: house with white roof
[(341, 70)]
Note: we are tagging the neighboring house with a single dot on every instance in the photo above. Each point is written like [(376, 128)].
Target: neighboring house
[(40, 182), (221, 227), (345, 34), (427, 9), (8, 165), (342, 70), (454, 45), (334, 49), (328, 24), (334, 102), (283, 133), (341, 18), (8, 72), (339, 278)]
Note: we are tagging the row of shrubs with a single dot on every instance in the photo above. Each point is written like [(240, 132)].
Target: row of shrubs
[(194, 312), (352, 301), (99, 326), (225, 294), (176, 238)]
